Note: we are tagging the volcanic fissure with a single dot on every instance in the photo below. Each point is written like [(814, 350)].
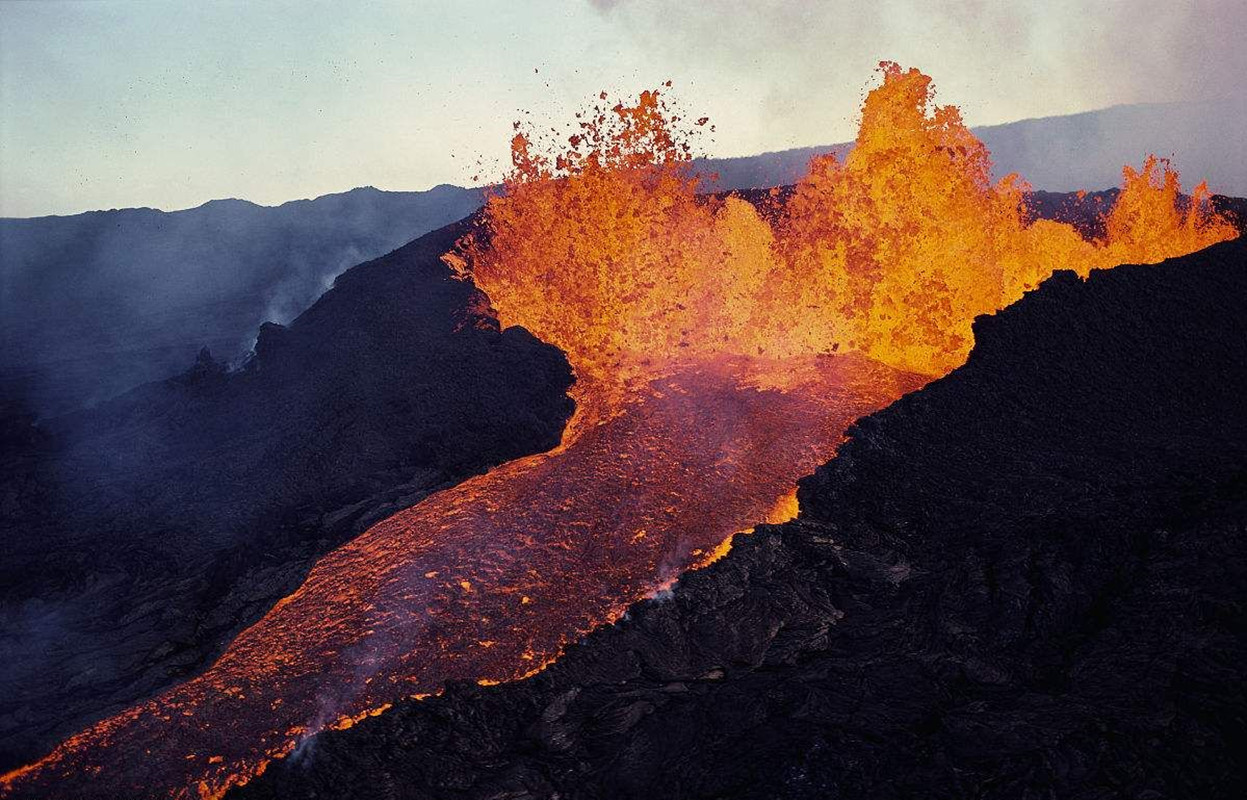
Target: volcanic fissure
[(722, 345)]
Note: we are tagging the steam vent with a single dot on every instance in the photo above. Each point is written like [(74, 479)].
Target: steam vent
[(896, 468)]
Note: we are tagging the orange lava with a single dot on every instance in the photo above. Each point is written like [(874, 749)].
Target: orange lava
[(894, 251), (700, 330), (605, 249), (490, 579)]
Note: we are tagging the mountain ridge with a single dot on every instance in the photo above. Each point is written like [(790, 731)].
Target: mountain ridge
[(353, 191), (100, 302)]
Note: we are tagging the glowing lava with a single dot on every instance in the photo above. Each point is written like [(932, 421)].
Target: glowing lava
[(700, 329), (606, 250), (488, 580)]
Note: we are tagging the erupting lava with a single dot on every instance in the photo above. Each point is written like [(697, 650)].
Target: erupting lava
[(607, 251), (701, 329)]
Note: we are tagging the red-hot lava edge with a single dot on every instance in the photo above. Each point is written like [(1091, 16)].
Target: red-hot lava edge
[(488, 580)]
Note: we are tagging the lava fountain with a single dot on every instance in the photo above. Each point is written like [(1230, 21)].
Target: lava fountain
[(721, 348)]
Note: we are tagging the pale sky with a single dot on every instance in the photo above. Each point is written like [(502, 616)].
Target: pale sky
[(116, 103)]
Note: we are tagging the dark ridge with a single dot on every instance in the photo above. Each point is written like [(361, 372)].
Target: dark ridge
[(143, 534), (98, 303), (1025, 580)]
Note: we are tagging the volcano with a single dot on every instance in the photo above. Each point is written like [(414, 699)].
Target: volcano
[(722, 345)]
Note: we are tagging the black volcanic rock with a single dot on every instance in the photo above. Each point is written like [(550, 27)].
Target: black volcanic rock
[(1024, 581), (95, 304), (139, 536)]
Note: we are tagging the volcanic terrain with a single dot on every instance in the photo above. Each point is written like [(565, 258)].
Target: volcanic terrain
[(147, 532), (1042, 598), (985, 551)]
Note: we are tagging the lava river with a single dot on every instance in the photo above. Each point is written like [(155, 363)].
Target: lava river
[(490, 579)]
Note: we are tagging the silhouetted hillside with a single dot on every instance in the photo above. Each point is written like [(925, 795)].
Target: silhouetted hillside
[(97, 303), (140, 535), (1024, 580)]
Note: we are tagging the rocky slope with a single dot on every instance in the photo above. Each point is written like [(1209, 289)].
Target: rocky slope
[(141, 535), (1025, 580), (98, 303)]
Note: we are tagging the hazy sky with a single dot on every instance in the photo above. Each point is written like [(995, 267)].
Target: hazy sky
[(111, 104)]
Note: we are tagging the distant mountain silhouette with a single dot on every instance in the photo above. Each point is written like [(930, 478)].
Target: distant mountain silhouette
[(1067, 153), (97, 303)]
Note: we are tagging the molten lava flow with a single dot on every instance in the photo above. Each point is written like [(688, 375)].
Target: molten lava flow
[(490, 579), (699, 328)]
